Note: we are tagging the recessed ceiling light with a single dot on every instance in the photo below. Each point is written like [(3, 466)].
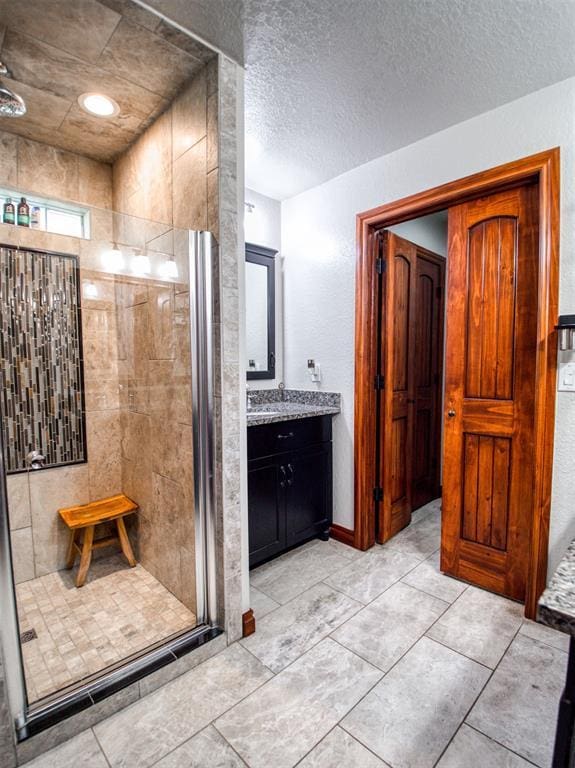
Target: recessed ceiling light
[(98, 104)]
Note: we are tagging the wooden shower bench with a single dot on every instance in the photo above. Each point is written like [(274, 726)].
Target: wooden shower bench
[(86, 517)]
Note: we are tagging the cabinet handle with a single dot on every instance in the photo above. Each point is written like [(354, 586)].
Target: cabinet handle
[(290, 479), (282, 481), (285, 437)]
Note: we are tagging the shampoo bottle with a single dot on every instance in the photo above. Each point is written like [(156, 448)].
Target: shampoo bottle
[(9, 212), (23, 213)]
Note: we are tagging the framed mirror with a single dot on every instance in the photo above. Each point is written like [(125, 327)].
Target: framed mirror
[(260, 312)]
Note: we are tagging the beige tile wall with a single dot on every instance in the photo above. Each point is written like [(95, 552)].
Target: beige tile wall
[(38, 538), (156, 427), (161, 182), (164, 177)]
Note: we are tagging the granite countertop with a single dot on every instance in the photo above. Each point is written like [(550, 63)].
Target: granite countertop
[(270, 406), (557, 604)]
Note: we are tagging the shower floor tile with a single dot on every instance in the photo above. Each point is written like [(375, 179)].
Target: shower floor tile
[(118, 612)]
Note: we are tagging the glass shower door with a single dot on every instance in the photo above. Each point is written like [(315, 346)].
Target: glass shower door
[(144, 411)]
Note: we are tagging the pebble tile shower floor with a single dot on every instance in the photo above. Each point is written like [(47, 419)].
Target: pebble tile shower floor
[(118, 612), (359, 660)]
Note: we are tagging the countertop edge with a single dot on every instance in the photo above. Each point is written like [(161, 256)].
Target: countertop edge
[(305, 413)]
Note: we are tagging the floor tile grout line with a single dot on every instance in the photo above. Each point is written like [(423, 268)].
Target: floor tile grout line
[(484, 686), (231, 746), (100, 746), (495, 741), (212, 721), (301, 594), (495, 669), (430, 594)]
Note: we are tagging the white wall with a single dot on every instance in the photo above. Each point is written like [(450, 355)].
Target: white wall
[(263, 227), (318, 245), (427, 231)]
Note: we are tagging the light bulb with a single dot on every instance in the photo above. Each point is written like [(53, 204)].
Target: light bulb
[(90, 290), (113, 260), (98, 104), (141, 264), (169, 269)]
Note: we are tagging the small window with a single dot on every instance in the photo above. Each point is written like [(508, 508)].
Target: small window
[(58, 218)]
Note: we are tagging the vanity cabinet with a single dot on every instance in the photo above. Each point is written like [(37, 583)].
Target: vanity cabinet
[(289, 484)]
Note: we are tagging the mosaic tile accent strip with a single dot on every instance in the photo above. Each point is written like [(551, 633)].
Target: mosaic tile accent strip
[(41, 372)]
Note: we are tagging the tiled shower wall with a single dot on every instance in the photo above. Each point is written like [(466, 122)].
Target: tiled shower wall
[(169, 175), (38, 541)]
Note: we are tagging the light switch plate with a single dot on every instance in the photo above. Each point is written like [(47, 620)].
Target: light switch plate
[(566, 377)]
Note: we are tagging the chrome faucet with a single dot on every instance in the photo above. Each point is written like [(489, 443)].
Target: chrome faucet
[(35, 460), (249, 403)]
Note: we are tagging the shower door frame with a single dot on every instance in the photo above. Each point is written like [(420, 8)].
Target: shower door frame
[(31, 719)]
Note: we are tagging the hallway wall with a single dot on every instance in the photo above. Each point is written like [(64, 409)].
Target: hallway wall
[(318, 245)]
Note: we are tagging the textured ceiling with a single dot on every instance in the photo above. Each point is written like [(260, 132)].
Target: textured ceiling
[(59, 49), (331, 84)]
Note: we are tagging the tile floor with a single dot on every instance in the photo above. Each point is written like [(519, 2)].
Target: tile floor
[(118, 612), (360, 660)]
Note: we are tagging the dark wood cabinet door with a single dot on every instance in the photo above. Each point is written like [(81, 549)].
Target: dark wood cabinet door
[(266, 508), (491, 348), (428, 372), (308, 492)]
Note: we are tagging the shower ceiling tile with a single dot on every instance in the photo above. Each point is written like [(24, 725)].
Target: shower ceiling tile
[(134, 13), (140, 56), (45, 110), (130, 55), (58, 21), (47, 68)]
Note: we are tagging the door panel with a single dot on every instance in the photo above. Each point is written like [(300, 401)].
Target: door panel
[(266, 512), (490, 390), (308, 493), (396, 413), (428, 373)]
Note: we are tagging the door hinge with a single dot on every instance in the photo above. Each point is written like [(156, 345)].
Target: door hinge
[(378, 494), (380, 265), (379, 382)]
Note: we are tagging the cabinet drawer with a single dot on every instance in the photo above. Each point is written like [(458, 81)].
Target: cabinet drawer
[(268, 439)]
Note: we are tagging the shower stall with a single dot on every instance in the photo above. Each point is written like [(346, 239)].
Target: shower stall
[(106, 375), (119, 364)]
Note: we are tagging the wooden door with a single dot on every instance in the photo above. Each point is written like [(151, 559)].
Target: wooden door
[(397, 341), (488, 470), (428, 374)]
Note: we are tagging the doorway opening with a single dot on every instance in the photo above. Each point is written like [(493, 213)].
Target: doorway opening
[(500, 365)]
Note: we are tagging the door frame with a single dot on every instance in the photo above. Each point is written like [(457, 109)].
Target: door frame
[(543, 168)]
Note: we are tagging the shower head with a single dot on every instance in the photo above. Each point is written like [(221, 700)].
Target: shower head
[(11, 105)]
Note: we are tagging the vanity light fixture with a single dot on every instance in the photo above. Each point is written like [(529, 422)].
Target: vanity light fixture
[(169, 269), (141, 264), (113, 260), (98, 105)]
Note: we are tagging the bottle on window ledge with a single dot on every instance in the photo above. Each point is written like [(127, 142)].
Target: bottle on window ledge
[(35, 220), (23, 213), (9, 212)]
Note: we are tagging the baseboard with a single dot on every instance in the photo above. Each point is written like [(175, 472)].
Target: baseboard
[(344, 535), (248, 623)]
